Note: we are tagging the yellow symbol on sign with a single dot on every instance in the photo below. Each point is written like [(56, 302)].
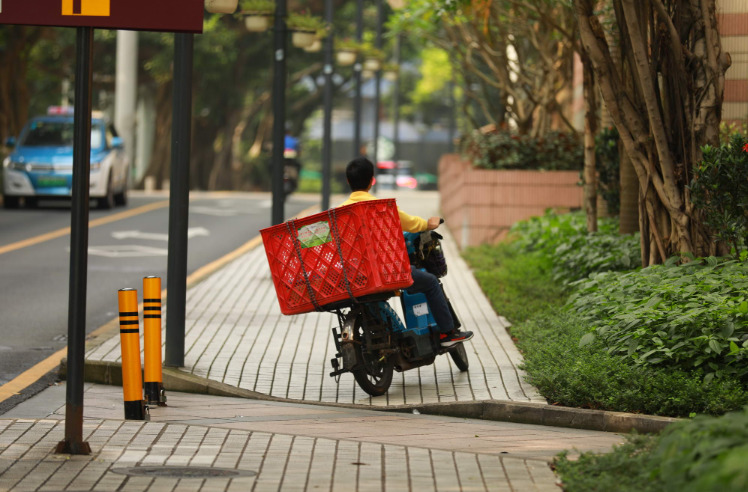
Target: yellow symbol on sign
[(86, 7)]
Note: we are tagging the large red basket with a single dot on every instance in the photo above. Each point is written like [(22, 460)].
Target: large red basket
[(347, 251)]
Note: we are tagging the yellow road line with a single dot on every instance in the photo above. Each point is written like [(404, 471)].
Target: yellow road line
[(94, 223), (29, 377)]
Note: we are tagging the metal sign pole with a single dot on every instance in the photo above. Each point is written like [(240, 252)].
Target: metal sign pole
[(179, 200), (73, 443)]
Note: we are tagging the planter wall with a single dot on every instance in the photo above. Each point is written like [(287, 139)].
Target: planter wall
[(480, 205)]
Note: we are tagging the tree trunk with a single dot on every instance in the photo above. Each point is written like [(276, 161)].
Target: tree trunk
[(629, 213), (590, 130), (654, 139), (14, 89)]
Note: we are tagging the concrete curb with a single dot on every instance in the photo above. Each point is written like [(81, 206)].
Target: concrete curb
[(550, 415), (110, 373)]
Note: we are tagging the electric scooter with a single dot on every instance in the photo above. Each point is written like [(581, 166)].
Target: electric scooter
[(371, 339)]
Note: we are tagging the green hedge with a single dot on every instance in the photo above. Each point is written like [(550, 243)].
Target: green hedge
[(554, 151), (704, 454), (697, 334)]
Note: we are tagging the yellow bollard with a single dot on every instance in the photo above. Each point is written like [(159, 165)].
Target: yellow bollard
[(154, 387), (132, 380)]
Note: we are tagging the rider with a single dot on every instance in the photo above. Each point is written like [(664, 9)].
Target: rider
[(360, 175)]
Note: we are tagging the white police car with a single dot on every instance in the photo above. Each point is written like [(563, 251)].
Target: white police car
[(41, 163)]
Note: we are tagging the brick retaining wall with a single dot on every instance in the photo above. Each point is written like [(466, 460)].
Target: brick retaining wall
[(480, 205)]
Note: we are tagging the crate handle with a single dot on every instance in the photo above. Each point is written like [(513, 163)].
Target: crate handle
[(294, 240), (334, 221)]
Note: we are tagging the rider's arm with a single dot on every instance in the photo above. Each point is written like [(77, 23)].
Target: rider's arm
[(412, 223)]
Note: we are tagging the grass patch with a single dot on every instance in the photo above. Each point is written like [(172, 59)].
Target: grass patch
[(570, 366), (519, 285), (590, 377), (706, 453)]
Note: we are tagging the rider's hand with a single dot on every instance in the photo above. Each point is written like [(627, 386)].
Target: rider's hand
[(433, 223)]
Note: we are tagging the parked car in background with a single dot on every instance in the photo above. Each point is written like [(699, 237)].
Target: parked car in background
[(395, 175), (41, 163)]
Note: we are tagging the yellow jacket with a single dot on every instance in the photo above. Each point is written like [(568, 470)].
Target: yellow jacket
[(410, 223)]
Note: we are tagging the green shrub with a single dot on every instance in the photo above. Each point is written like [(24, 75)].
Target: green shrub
[(584, 254), (501, 149), (551, 230), (576, 253), (590, 377), (517, 277), (704, 454), (719, 190), (693, 316)]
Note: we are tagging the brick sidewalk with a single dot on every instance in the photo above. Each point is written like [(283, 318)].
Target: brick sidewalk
[(208, 443), (235, 334)]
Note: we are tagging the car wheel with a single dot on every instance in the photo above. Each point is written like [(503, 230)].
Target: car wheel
[(10, 201), (107, 201), (121, 197)]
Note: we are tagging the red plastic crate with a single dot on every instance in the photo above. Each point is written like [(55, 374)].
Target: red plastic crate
[(305, 255)]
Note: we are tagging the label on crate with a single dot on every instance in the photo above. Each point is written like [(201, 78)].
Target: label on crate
[(314, 234)]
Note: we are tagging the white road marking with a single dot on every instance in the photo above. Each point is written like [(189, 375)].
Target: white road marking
[(159, 236), (216, 212), (126, 251)]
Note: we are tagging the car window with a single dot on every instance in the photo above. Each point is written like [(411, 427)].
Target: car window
[(56, 134), (48, 134)]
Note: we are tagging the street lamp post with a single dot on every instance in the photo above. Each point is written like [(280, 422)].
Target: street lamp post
[(327, 102), (396, 105), (357, 78), (378, 82), (279, 109)]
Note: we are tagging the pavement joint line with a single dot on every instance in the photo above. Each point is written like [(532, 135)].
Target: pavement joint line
[(111, 328), (174, 379)]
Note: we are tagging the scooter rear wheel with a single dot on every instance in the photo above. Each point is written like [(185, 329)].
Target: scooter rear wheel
[(459, 356), (375, 375)]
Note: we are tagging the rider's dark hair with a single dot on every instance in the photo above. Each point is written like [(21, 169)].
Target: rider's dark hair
[(359, 173)]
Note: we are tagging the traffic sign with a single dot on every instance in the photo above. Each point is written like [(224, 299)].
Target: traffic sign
[(146, 15)]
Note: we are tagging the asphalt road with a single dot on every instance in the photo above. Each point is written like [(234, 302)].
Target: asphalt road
[(125, 245)]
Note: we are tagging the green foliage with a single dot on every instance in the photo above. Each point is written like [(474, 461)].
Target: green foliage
[(576, 253), (306, 22), (348, 44), (590, 377), (608, 163), (692, 316), (719, 190), (258, 6), (706, 453), (553, 151), (517, 277), (433, 63), (727, 130), (626, 469)]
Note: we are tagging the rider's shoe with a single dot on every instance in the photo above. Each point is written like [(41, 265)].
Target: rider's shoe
[(450, 339)]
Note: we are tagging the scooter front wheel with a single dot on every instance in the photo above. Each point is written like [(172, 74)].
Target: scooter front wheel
[(459, 356), (374, 375)]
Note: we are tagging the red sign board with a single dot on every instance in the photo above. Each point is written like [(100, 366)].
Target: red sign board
[(145, 15)]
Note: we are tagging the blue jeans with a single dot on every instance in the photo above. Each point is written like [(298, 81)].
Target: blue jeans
[(429, 285)]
